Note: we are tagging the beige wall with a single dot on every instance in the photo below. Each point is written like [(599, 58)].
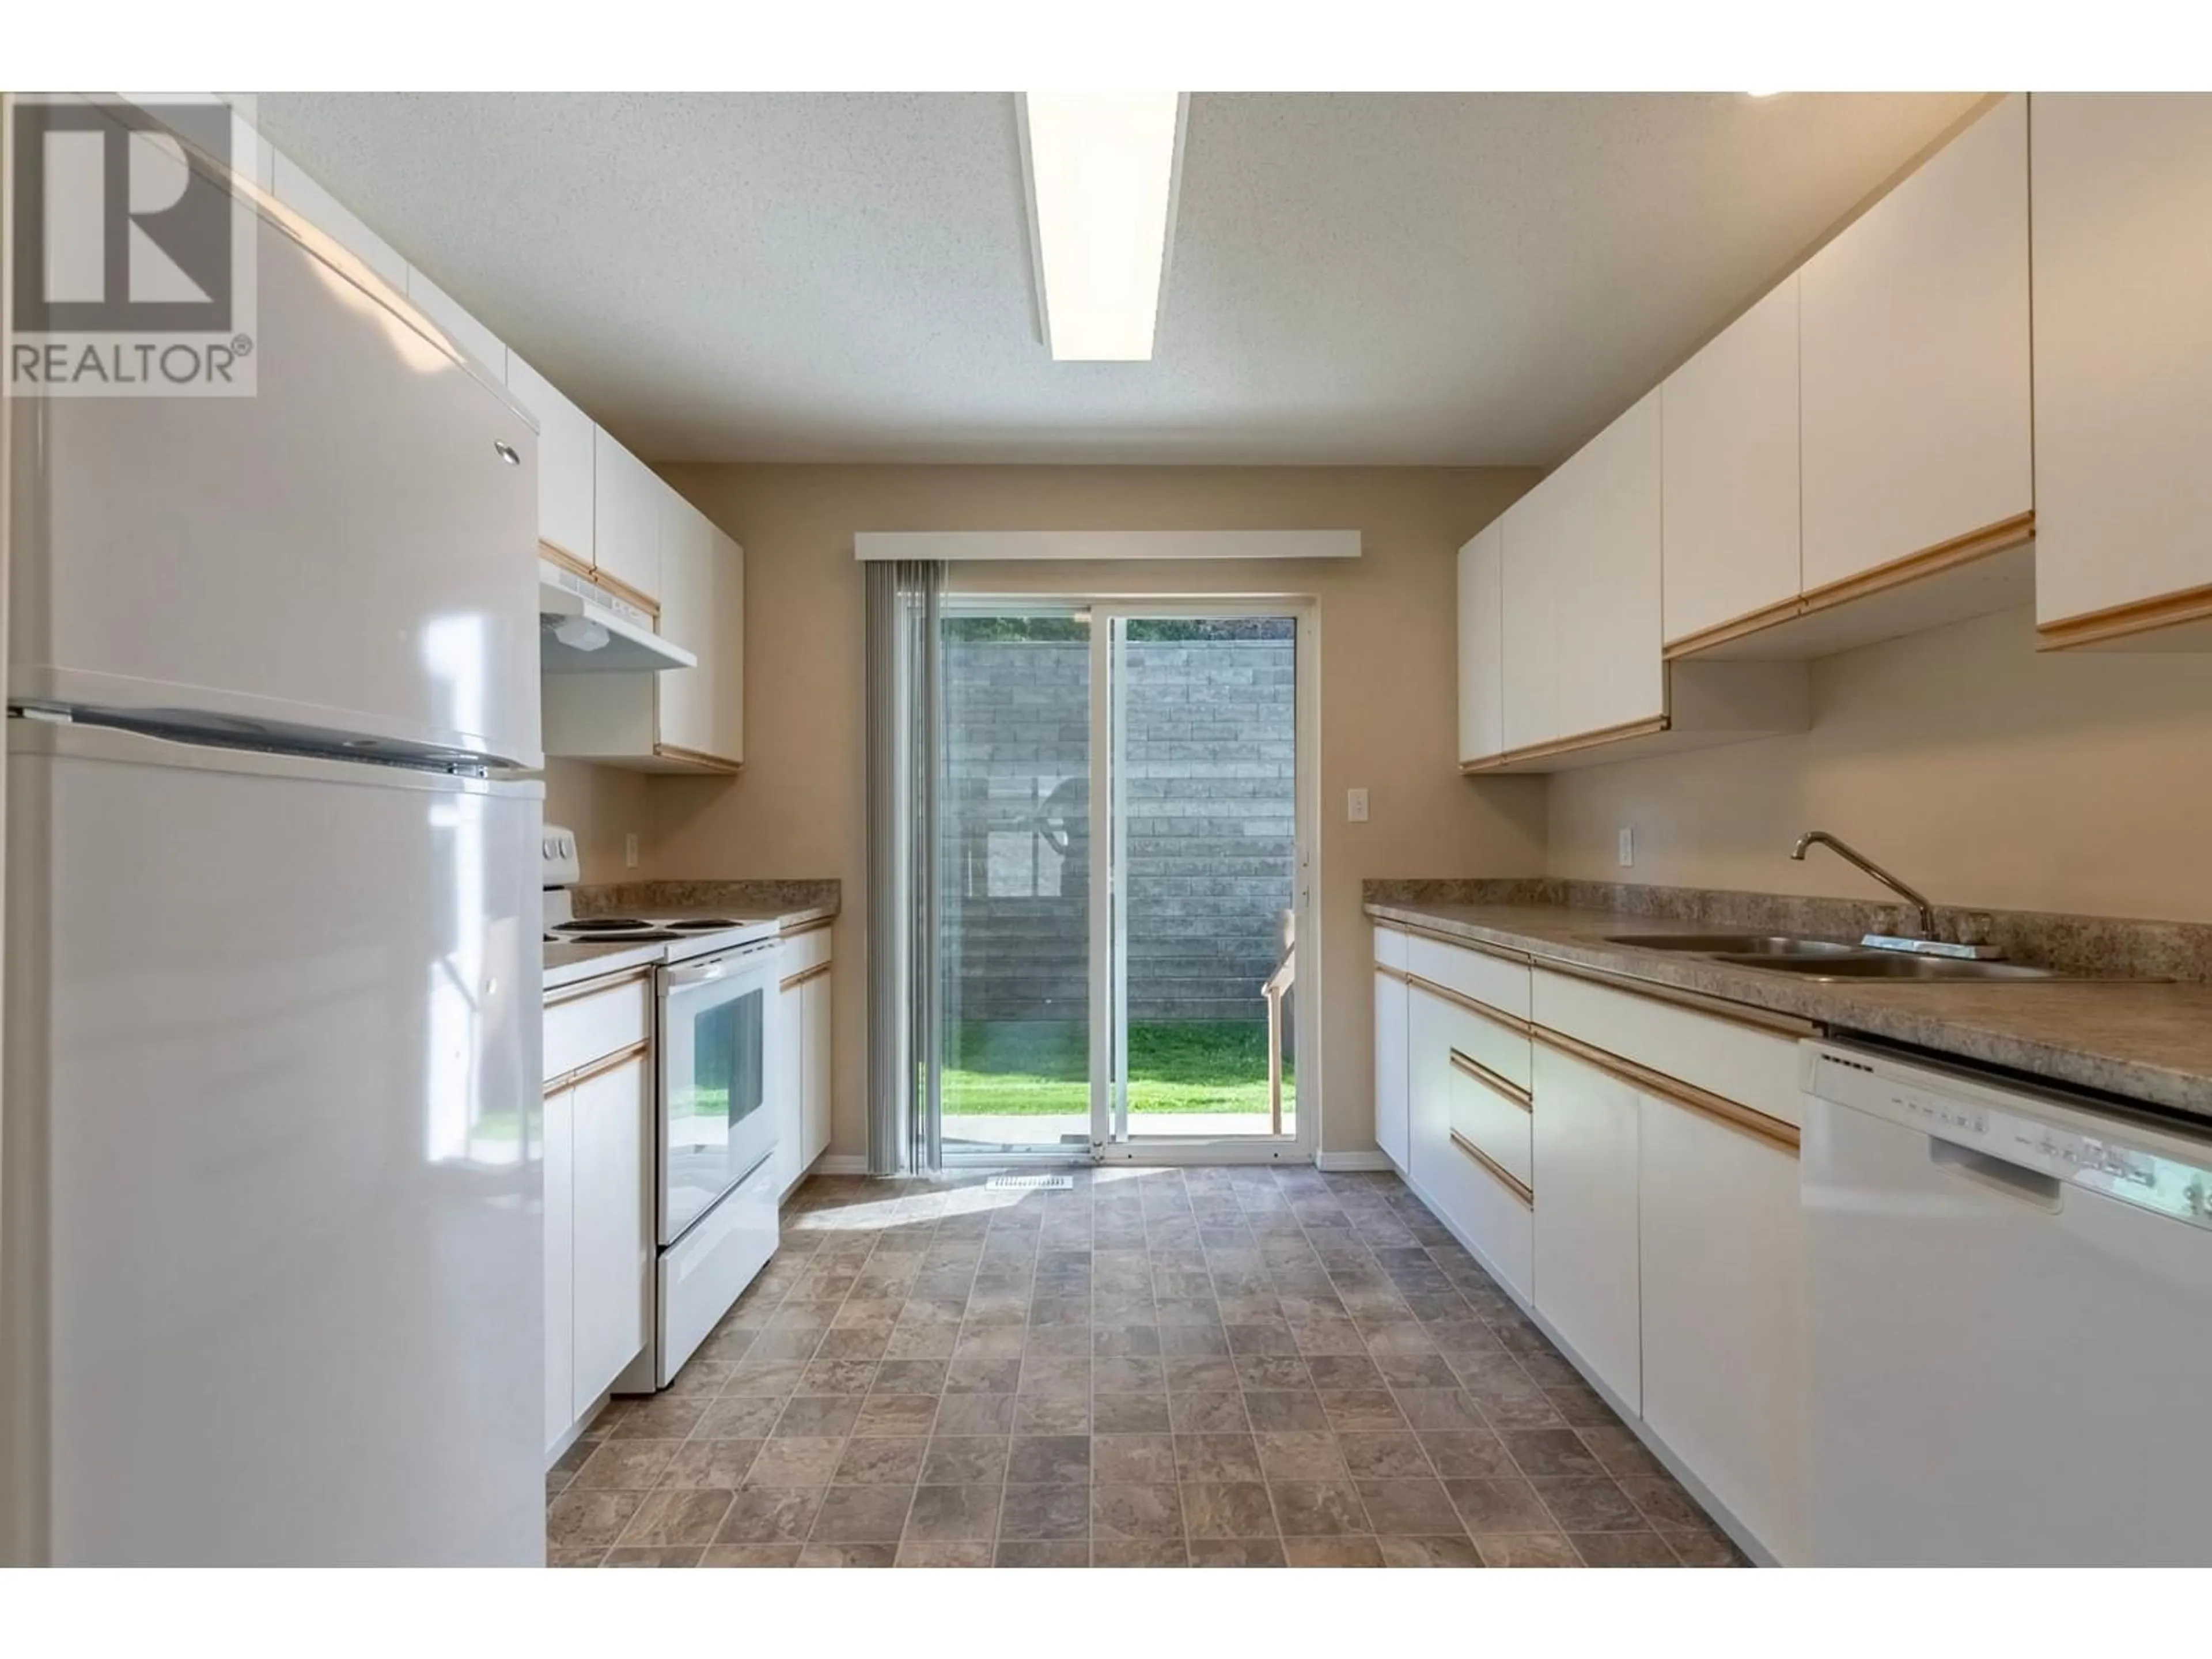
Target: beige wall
[(1388, 689), (1979, 769), (602, 804)]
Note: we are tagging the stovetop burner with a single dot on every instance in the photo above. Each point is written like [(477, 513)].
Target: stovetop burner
[(604, 925)]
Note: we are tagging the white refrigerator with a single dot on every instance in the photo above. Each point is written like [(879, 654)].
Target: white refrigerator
[(270, 1245)]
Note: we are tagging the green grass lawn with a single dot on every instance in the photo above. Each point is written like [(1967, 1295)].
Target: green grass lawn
[(1002, 1068)]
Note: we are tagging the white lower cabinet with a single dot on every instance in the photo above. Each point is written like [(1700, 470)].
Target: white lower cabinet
[(1627, 1166), (1723, 1325), (599, 1209), (803, 1055), (560, 1264), (1428, 1091), (1476, 1192), (814, 1082), (1390, 1103), (613, 1227), (1586, 1268)]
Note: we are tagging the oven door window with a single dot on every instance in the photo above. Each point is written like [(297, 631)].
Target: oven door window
[(714, 1097)]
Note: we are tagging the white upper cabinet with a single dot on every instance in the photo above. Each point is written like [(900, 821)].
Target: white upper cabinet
[(626, 510), (679, 719), (1527, 653), (702, 586), (2122, 367), (1729, 512), (296, 191), (1606, 589), (1914, 358), (1481, 634), (564, 461), (465, 330)]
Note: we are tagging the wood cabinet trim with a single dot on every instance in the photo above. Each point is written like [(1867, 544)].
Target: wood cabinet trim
[(1999, 537), (1522, 1193), (1472, 1067), (698, 757), (1643, 728), (1727, 1113), (1735, 628), (588, 988), (1736, 1013), (804, 975), (1481, 1010), (605, 1063), (2117, 622)]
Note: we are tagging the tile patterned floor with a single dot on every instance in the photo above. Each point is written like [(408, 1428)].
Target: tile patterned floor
[(1224, 1367)]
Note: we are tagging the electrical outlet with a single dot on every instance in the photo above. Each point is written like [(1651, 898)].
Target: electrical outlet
[(630, 850), (1627, 846), (1355, 806)]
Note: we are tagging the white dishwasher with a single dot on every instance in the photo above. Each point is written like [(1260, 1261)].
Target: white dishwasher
[(2010, 1321)]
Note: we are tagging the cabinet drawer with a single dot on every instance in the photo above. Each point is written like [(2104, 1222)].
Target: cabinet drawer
[(1389, 946), (1490, 1212), (1497, 981), (1732, 1058), (591, 1022), (1494, 1044), (1493, 1117)]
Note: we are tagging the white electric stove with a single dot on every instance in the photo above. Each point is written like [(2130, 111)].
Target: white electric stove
[(714, 1037)]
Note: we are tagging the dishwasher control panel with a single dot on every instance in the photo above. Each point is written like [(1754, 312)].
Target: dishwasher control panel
[(2164, 1175)]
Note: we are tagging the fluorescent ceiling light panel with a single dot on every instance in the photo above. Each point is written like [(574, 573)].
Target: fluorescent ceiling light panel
[(1102, 189)]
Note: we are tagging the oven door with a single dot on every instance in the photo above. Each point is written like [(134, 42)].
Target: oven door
[(716, 1026)]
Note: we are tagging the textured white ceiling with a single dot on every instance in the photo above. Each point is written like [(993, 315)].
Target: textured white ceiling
[(1459, 278)]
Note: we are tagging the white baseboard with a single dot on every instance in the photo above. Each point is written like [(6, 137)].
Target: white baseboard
[(840, 1163), (1340, 1162)]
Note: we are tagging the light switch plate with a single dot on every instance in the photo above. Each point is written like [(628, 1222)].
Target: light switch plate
[(1627, 846), (630, 851), (1355, 806)]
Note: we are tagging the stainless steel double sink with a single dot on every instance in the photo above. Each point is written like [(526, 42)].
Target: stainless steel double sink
[(1829, 959)]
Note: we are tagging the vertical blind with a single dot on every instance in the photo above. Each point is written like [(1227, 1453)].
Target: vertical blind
[(904, 748)]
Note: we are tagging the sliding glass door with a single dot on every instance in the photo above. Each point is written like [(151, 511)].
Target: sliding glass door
[(1125, 879), (1014, 864)]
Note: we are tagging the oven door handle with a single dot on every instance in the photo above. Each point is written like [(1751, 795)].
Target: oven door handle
[(712, 971), (706, 973)]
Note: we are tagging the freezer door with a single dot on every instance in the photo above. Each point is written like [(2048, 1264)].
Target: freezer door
[(349, 549), (272, 1160)]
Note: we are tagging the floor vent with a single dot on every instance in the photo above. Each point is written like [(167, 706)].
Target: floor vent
[(1035, 1183)]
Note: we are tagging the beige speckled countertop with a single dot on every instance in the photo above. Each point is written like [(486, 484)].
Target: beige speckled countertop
[(2146, 1041)]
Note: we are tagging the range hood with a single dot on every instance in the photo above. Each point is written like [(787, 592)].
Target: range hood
[(583, 631)]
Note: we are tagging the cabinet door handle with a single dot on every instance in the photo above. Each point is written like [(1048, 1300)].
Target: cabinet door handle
[(1513, 1092), (1744, 1120), (1521, 1189), (1513, 1023)]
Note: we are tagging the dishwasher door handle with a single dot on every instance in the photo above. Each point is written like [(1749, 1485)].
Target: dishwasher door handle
[(2000, 1175)]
